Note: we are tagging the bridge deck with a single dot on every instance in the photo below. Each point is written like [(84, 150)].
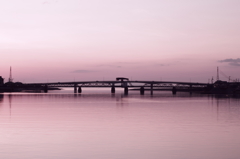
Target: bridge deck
[(120, 84)]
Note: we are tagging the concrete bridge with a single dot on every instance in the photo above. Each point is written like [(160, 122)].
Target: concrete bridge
[(124, 83)]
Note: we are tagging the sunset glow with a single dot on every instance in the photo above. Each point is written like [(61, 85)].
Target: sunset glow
[(66, 40)]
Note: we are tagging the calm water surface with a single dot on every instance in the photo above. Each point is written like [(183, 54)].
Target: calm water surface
[(98, 125)]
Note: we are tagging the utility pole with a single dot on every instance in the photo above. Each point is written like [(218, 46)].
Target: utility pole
[(217, 74)]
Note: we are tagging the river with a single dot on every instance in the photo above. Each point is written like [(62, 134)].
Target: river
[(99, 125)]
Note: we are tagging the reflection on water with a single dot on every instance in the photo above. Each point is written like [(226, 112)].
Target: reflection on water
[(68, 125), (1, 98)]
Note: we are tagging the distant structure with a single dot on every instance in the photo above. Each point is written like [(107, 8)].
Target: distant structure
[(1, 80), (10, 76), (122, 79)]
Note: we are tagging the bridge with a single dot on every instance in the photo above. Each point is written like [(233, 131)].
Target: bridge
[(126, 84)]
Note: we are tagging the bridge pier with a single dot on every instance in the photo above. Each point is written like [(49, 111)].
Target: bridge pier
[(126, 90), (190, 89), (151, 89), (113, 89), (45, 89), (142, 90), (75, 88), (174, 90), (79, 89)]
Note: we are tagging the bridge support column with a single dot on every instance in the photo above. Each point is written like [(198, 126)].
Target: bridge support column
[(45, 89), (142, 90), (79, 89), (126, 90), (113, 89), (151, 89), (174, 90), (75, 88), (190, 89)]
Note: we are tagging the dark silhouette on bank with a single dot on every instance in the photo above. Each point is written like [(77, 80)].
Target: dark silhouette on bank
[(218, 87)]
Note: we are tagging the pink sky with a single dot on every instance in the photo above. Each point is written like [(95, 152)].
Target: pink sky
[(66, 40)]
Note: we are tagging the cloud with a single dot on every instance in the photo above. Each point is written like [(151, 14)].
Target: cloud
[(161, 65), (232, 62), (118, 64), (114, 66), (128, 63), (83, 71)]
